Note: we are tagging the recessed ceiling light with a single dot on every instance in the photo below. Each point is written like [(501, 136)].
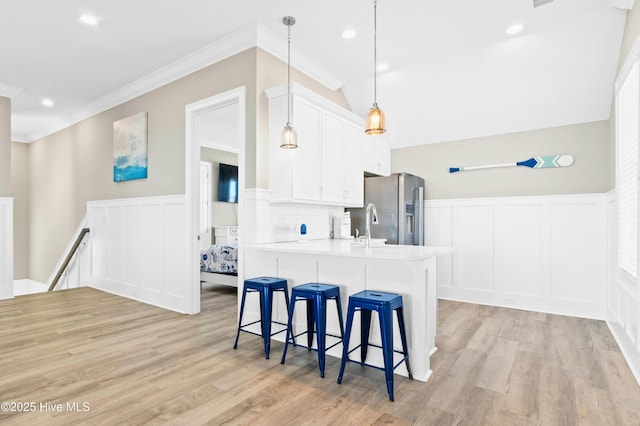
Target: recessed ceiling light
[(47, 102), (88, 20), (383, 66), (348, 34), (515, 29)]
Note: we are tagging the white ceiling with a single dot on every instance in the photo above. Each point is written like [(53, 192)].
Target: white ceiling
[(454, 72)]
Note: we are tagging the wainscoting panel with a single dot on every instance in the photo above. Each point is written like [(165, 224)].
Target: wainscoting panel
[(578, 252), (519, 238), (6, 248), (474, 242), (439, 232), (623, 300), (541, 253), (138, 249), (133, 244)]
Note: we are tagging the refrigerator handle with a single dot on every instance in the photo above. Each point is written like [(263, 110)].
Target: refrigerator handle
[(418, 207)]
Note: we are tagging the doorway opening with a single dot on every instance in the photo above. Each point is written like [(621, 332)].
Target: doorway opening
[(215, 140)]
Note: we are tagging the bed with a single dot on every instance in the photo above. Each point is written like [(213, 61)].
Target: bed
[(219, 264)]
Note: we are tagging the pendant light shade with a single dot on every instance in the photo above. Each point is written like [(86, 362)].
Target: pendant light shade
[(375, 121), (289, 138), (375, 117)]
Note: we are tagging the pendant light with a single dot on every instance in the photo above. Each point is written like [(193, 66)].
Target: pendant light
[(289, 137), (375, 117)]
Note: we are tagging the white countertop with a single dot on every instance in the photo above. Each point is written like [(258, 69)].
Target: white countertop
[(347, 249)]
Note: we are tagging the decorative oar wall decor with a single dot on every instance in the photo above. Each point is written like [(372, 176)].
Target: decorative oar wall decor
[(544, 162)]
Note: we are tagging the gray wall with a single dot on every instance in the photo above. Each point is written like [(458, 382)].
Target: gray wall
[(21, 191), (588, 143), (75, 165), (5, 147)]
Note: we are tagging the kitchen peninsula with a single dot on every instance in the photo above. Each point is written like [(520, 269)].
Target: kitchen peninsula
[(406, 270)]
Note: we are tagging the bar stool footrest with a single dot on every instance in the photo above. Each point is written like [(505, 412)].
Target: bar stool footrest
[(293, 342), (404, 358), (260, 334)]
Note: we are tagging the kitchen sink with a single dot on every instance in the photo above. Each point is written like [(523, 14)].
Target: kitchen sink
[(374, 241)]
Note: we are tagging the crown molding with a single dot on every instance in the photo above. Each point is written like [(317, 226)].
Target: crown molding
[(270, 42), (622, 4), (7, 91), (254, 35)]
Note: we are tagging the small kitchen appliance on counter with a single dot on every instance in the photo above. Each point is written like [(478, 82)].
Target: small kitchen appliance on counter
[(342, 226)]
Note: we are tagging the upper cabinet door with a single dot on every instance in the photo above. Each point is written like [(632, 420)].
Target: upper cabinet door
[(332, 161), (377, 155), (353, 170), (327, 166), (306, 168)]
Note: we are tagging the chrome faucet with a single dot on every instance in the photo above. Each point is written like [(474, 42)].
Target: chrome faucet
[(368, 219)]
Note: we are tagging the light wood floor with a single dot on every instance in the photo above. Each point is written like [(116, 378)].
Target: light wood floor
[(137, 364)]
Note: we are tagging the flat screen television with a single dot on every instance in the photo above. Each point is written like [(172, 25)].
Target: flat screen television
[(228, 183)]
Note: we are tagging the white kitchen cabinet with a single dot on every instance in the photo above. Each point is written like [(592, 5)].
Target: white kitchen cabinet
[(407, 270), (327, 167), (353, 165), (306, 164), (332, 158), (377, 155)]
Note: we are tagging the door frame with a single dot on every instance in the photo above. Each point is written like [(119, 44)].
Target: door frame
[(209, 167), (192, 184)]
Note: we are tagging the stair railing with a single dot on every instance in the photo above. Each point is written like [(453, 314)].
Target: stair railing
[(72, 252)]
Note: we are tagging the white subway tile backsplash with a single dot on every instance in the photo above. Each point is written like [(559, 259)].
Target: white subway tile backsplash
[(281, 222)]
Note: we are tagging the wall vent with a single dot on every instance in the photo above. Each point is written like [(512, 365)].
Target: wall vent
[(538, 3)]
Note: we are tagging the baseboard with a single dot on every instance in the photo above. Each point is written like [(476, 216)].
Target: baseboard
[(629, 352), (27, 286)]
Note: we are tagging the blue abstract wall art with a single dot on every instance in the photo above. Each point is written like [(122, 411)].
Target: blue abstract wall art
[(130, 148)]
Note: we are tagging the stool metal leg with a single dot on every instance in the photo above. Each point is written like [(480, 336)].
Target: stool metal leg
[(286, 302), (345, 342), (403, 337), (244, 296), (266, 306), (289, 330), (339, 303), (310, 322), (386, 329), (365, 326), (321, 330)]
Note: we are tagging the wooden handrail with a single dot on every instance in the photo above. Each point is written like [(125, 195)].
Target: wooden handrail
[(73, 250)]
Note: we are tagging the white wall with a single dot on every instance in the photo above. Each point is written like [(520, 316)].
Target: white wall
[(138, 250), (6, 248), (540, 253)]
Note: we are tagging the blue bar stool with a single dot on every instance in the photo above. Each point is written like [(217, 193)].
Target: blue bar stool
[(383, 303), (265, 286), (316, 296)]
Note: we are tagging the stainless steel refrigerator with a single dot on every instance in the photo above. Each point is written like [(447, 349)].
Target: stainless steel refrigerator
[(399, 201)]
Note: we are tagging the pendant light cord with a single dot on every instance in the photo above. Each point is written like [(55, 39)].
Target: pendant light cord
[(375, 54), (289, 74)]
